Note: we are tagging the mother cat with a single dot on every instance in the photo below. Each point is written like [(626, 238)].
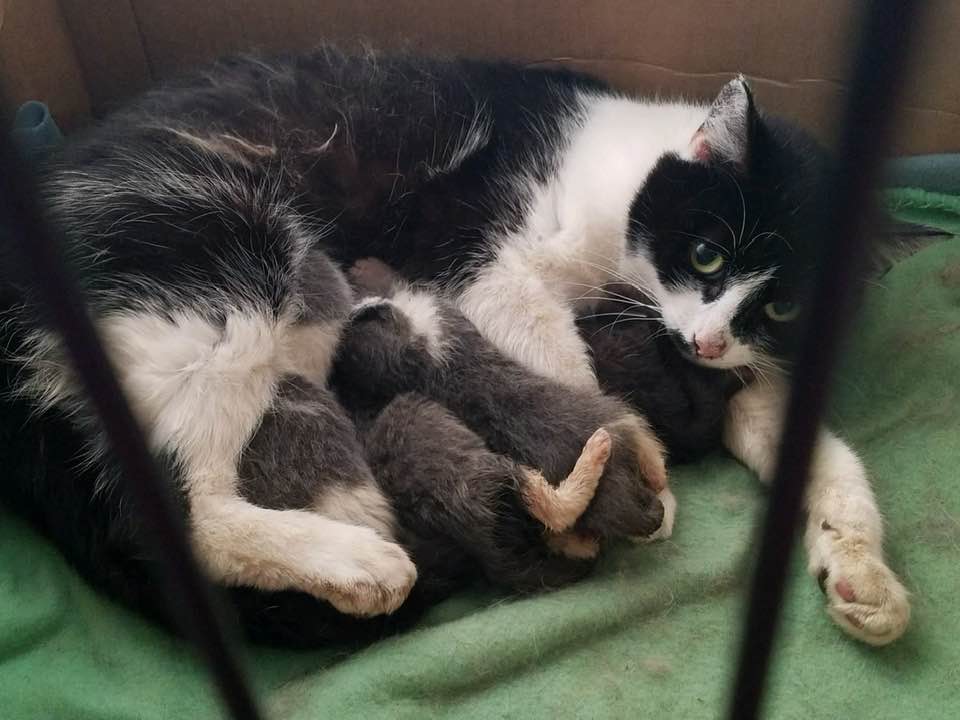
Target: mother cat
[(194, 211)]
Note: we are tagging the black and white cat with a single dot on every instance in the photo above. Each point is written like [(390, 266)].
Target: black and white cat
[(195, 213)]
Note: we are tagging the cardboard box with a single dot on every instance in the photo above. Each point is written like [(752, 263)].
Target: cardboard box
[(82, 56)]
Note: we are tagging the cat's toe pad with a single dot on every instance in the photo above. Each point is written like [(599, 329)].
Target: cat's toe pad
[(864, 597)]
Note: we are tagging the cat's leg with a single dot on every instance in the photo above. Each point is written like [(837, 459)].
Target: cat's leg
[(351, 567), (200, 389), (844, 531), (510, 306), (516, 311)]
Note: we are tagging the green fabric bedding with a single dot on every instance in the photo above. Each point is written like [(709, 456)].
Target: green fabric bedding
[(654, 631)]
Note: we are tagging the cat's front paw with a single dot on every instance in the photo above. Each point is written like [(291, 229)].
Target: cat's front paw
[(864, 597), (374, 580)]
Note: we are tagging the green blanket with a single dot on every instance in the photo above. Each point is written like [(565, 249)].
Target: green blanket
[(654, 631)]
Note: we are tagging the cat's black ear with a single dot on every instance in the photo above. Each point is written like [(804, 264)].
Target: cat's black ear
[(725, 135), (896, 240)]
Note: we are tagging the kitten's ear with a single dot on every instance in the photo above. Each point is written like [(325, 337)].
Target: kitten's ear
[(725, 134), (897, 240)]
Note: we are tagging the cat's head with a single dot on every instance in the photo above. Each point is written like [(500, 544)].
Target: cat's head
[(726, 226)]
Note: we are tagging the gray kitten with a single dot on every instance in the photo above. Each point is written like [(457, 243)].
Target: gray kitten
[(404, 339)]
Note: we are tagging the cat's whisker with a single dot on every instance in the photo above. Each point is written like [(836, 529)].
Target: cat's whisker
[(736, 373), (613, 271), (733, 235), (769, 233), (613, 324), (705, 239), (655, 307), (633, 282), (610, 296), (618, 314), (743, 210)]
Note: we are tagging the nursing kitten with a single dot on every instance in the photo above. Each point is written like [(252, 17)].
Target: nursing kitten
[(407, 339), (518, 192), (416, 341), (636, 360)]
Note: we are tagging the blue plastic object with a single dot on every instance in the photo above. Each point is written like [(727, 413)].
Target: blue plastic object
[(34, 129)]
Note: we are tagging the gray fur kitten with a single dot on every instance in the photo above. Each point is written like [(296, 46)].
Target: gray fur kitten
[(404, 339)]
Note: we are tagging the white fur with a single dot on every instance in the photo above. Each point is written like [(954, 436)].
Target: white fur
[(350, 566), (515, 310), (665, 531), (473, 136), (574, 236), (684, 311), (421, 310), (844, 533), (359, 504)]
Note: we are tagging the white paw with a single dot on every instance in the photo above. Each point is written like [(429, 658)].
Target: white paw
[(373, 579), (864, 597), (669, 515)]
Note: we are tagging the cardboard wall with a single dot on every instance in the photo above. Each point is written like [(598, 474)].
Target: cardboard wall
[(794, 51), (38, 62)]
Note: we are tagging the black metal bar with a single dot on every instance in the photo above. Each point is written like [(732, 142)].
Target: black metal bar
[(187, 592), (885, 33)]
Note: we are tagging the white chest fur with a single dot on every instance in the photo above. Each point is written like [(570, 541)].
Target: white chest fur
[(574, 238)]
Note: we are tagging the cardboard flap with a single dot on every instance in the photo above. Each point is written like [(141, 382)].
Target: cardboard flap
[(795, 53)]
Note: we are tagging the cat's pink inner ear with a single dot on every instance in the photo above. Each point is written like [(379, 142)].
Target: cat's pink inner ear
[(724, 135), (699, 149)]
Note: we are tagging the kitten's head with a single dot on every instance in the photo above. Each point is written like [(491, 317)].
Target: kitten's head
[(730, 227), (726, 225)]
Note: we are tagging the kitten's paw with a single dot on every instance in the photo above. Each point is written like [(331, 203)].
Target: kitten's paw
[(665, 531), (371, 276), (374, 580), (864, 597), (574, 545)]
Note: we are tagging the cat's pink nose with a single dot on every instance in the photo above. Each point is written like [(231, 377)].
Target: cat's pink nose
[(710, 346)]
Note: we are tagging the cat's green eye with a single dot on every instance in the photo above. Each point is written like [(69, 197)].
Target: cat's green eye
[(705, 259), (782, 310)]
